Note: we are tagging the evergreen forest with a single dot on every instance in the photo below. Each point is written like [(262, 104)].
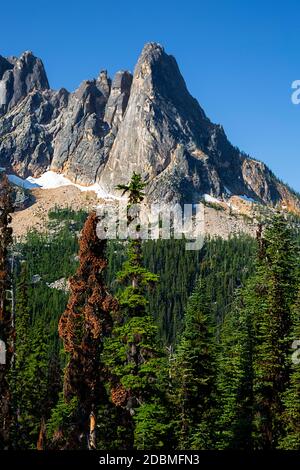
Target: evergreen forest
[(144, 345)]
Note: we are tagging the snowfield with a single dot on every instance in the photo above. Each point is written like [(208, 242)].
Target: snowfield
[(52, 180), (209, 198)]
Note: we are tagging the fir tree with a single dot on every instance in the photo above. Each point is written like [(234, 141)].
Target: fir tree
[(235, 374), (194, 374), (290, 440), (254, 351), (134, 359), (275, 293), (34, 395), (22, 346), (30, 368)]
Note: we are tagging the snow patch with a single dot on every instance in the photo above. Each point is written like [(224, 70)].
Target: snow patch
[(209, 198), (52, 180)]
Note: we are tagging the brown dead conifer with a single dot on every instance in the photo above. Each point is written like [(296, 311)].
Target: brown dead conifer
[(82, 327)]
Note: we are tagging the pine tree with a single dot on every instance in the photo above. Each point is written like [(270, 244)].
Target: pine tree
[(82, 328), (6, 320), (194, 375), (134, 359)]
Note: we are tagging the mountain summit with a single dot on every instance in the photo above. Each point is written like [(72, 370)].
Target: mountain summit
[(106, 129)]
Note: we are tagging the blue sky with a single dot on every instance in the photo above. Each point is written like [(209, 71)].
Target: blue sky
[(238, 57)]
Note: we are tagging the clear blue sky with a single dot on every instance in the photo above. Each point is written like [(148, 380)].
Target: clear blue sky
[(238, 57)]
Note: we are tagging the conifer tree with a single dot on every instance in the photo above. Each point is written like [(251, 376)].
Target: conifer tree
[(254, 362), (290, 440), (82, 327), (275, 292), (35, 363), (6, 320), (31, 367), (34, 396), (135, 362), (22, 346), (235, 374), (194, 375)]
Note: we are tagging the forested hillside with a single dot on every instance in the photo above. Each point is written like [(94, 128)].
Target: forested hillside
[(121, 345)]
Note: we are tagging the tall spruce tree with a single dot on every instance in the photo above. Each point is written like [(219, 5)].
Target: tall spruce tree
[(135, 362), (6, 318), (33, 399), (275, 291), (82, 327), (31, 367), (18, 378), (254, 360), (194, 375), (235, 374), (290, 440)]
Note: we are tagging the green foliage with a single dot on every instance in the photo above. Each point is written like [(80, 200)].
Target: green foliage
[(151, 426), (135, 333), (224, 264), (275, 290), (40, 260), (290, 440), (68, 216), (134, 188), (254, 360), (194, 375), (61, 417), (34, 402), (235, 374), (132, 354), (230, 384)]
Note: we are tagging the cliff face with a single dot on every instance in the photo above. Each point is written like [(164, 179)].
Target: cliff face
[(105, 130)]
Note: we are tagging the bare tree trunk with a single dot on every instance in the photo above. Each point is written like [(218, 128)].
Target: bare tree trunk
[(92, 432), (42, 434)]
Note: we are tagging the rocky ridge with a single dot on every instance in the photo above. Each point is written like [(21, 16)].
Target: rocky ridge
[(146, 122)]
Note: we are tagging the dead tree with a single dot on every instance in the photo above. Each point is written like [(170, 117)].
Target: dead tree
[(82, 327)]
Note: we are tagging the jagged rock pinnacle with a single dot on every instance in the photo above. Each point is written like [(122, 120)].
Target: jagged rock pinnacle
[(107, 129)]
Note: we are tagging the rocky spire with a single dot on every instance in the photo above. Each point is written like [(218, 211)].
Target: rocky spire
[(104, 131), (20, 78), (104, 83), (118, 98), (163, 128)]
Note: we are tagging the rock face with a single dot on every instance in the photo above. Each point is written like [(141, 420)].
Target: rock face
[(18, 78), (105, 130)]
